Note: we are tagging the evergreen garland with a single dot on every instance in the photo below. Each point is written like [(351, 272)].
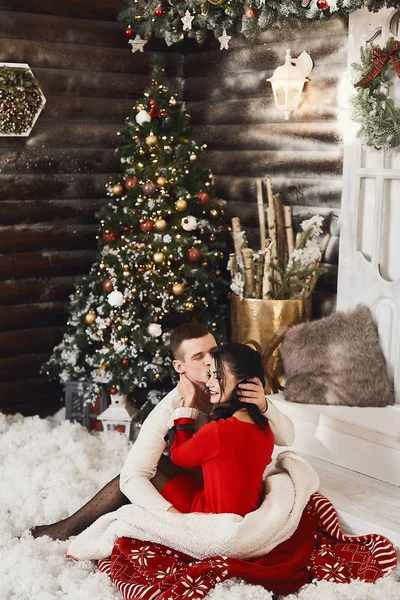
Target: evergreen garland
[(163, 18), (371, 107), (20, 100)]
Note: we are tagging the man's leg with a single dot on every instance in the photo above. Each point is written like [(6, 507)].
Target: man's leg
[(108, 499)]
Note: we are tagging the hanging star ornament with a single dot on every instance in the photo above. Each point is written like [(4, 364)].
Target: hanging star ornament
[(187, 21), (137, 44), (224, 40)]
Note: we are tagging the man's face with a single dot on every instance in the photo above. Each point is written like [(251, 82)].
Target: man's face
[(196, 358)]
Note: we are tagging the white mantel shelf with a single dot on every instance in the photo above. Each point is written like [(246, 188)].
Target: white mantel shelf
[(356, 453), (365, 440)]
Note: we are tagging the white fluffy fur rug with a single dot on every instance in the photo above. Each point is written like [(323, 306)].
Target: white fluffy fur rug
[(47, 471)]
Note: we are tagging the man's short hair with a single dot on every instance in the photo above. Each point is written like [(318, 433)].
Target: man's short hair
[(187, 331)]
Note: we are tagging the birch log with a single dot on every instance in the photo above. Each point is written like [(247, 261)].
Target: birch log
[(259, 274), (266, 285), (248, 267), (287, 214), (261, 213)]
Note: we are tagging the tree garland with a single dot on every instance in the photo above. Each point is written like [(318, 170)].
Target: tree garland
[(371, 107), (172, 19), (20, 100)]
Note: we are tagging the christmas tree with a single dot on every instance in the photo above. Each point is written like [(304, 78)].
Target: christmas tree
[(161, 260)]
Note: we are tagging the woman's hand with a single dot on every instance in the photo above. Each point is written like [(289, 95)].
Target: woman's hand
[(187, 390), (252, 392)]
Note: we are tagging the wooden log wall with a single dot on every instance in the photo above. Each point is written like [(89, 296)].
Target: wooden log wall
[(53, 182), (233, 111)]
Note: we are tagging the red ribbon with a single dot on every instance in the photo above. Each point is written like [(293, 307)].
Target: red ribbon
[(154, 110), (379, 60)]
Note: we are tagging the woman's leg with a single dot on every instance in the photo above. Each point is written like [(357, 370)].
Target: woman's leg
[(108, 499)]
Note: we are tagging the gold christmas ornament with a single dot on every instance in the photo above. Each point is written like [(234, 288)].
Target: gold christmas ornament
[(178, 289), (181, 205), (90, 317), (213, 213), (117, 189), (160, 224), (151, 140), (158, 257), (161, 181), (192, 157), (172, 101), (189, 306), (126, 273)]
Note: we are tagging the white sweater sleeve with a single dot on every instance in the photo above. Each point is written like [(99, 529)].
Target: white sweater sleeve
[(142, 460), (281, 425)]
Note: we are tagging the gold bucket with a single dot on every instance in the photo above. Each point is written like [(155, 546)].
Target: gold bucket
[(261, 320)]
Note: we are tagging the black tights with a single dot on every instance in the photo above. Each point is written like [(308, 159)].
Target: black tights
[(108, 499)]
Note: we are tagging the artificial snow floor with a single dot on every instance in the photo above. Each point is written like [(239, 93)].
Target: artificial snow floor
[(47, 471)]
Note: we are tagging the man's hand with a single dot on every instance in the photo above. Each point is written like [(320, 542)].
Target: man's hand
[(252, 392), (187, 390), (173, 509)]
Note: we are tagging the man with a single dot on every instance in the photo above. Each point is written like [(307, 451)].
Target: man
[(146, 469)]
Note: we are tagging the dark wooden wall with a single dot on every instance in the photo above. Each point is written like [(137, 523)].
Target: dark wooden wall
[(53, 182), (233, 111)]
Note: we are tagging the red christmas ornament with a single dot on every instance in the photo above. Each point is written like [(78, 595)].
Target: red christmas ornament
[(322, 4), (212, 238), (107, 285), (146, 226), (130, 183), (125, 362), (149, 189), (129, 32), (203, 197), (159, 11), (193, 255), (250, 12), (126, 228), (110, 236), (154, 111), (113, 391), (163, 113)]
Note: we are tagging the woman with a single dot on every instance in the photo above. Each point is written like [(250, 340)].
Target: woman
[(233, 450)]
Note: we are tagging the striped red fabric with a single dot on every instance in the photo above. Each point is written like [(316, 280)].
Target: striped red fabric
[(319, 549)]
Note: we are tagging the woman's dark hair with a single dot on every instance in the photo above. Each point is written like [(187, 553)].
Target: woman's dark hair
[(244, 363)]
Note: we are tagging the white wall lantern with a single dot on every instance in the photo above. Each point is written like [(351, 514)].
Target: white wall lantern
[(288, 81), (119, 415)]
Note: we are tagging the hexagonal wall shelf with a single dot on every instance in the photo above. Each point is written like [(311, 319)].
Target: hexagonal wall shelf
[(11, 102)]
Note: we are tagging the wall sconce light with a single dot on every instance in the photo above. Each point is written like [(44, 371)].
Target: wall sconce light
[(288, 81)]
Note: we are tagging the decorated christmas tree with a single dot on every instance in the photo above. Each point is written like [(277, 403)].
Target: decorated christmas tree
[(161, 261)]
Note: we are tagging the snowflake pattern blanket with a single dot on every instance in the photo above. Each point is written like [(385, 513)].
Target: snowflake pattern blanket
[(294, 536)]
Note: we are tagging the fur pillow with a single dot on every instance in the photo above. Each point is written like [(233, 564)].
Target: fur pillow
[(336, 360)]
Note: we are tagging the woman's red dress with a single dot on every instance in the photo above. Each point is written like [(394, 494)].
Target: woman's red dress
[(233, 456)]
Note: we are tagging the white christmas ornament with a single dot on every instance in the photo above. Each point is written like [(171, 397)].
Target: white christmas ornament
[(187, 21), (155, 330), (189, 223), (137, 44), (224, 40), (142, 117), (115, 299)]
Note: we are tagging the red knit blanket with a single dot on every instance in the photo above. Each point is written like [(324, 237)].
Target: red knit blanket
[(317, 550)]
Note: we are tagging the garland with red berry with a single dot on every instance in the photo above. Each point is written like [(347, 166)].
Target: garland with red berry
[(173, 19)]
